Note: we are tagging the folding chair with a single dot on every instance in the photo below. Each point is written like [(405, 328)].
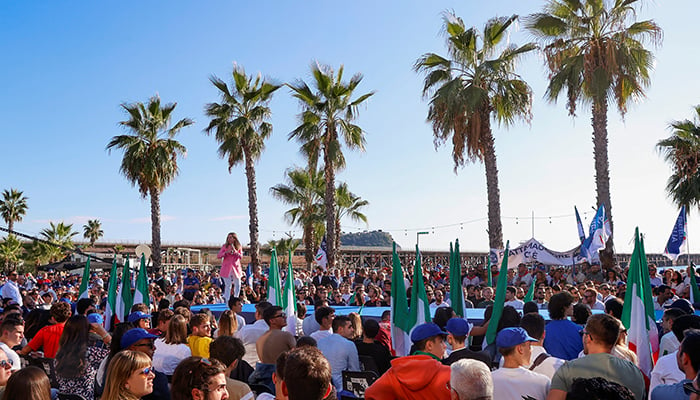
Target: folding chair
[(356, 382)]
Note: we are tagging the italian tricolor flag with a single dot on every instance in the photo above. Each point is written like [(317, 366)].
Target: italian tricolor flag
[(638, 312)]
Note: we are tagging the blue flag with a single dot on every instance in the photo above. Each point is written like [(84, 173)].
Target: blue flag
[(579, 225), (678, 238), (598, 234)]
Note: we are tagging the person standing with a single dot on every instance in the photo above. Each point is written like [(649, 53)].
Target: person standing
[(10, 290), (231, 254), (514, 380), (340, 352)]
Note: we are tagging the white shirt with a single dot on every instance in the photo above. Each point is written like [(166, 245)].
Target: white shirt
[(514, 383), (241, 322), (249, 335), (12, 356), (548, 367), (515, 303), (168, 356), (320, 334), (11, 290), (666, 371), (668, 344), (599, 305), (471, 281)]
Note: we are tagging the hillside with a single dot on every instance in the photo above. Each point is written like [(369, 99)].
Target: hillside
[(369, 239)]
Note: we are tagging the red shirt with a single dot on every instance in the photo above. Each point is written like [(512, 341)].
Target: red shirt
[(47, 338)]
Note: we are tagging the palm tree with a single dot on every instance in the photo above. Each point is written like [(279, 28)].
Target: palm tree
[(327, 120), (10, 252), (349, 205), (473, 84), (304, 192), (594, 52), (682, 151), (13, 207), (61, 236), (240, 123), (92, 231), (150, 155)]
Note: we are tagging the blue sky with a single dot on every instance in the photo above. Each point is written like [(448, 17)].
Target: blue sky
[(68, 66)]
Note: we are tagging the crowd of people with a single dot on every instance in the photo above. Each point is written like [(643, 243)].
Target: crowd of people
[(56, 344)]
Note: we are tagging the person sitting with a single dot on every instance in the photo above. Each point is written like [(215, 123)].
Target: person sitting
[(270, 345), (307, 375), (229, 351), (599, 339), (198, 378), (369, 347), (470, 380), (11, 335), (340, 352), (688, 358), (5, 371), (138, 339), (29, 383), (200, 338), (129, 376), (173, 348), (512, 381), (47, 338), (419, 376)]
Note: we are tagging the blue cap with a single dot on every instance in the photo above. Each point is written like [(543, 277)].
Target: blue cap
[(137, 315), (457, 327), (682, 304), (509, 337), (95, 318), (425, 331), (134, 335)]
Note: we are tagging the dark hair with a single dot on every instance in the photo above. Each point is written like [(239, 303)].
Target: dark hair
[(61, 311), (262, 306), (386, 314), (193, 373), (10, 324), (558, 304), (684, 322), (673, 313), (510, 289), (233, 301), (691, 347), (370, 328), (227, 349), (307, 374), (181, 303), (198, 319), (598, 389), (139, 307), (530, 307), (322, 312), (165, 315), (442, 315), (306, 341), (509, 318), (339, 322), (269, 313), (533, 323), (581, 313), (28, 383), (83, 305), (603, 329), (163, 304), (72, 347), (280, 364), (614, 307)]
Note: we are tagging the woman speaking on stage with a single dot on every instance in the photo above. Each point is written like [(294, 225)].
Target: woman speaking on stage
[(231, 272)]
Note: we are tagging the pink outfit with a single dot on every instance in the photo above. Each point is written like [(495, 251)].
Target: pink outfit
[(230, 263)]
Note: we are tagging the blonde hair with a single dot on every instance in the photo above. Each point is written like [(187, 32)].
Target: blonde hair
[(228, 325), (177, 330), (236, 243), (122, 365)]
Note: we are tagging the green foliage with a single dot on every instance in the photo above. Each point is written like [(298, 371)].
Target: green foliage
[(10, 253), (59, 234), (367, 239), (92, 231), (681, 151), (13, 206)]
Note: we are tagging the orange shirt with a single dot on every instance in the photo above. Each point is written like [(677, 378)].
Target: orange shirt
[(47, 338)]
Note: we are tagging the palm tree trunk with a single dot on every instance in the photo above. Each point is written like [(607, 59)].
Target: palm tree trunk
[(493, 193), (11, 226), (337, 238), (252, 209), (309, 244), (599, 121), (329, 174), (155, 228)]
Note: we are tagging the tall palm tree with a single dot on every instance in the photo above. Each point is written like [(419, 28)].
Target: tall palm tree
[(594, 52), (150, 155), (240, 125), (325, 123), (304, 192), (474, 84), (13, 207), (681, 151), (10, 252), (61, 235), (349, 205), (92, 231)]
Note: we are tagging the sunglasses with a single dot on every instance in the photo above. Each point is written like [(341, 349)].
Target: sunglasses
[(150, 345), (7, 364), (147, 371), (283, 315), (688, 388)]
